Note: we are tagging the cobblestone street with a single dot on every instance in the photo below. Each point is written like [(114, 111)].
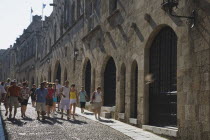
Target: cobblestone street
[(57, 129)]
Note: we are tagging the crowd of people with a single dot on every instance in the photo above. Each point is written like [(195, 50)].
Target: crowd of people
[(46, 98)]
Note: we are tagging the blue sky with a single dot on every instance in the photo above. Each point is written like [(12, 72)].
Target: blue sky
[(15, 16)]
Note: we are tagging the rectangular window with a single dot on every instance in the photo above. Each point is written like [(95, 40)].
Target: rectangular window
[(65, 53), (78, 8), (73, 13)]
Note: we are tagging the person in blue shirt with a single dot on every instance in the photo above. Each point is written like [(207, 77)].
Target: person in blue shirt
[(41, 94), (82, 98)]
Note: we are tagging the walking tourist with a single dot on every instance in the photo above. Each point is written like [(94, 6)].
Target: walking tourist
[(2, 91), (13, 93), (73, 100), (65, 101), (58, 89), (82, 98), (96, 101), (41, 94), (7, 83), (49, 99), (6, 98), (54, 100), (33, 97), (24, 95)]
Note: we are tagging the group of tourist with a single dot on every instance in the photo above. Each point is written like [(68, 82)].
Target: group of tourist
[(46, 97)]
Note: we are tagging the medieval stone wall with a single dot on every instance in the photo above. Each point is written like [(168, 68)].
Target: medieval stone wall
[(98, 33)]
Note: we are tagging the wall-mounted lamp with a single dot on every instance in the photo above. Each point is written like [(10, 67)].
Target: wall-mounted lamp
[(76, 52), (32, 66), (52, 4), (48, 60), (168, 6)]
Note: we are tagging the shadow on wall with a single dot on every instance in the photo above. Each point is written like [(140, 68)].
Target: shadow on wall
[(125, 37), (111, 40), (138, 32), (150, 20)]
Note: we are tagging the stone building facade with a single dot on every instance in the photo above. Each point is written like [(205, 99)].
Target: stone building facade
[(115, 44)]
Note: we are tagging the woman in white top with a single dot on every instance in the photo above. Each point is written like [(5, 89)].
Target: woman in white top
[(96, 100), (65, 100)]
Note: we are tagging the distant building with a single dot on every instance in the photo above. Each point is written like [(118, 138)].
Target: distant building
[(115, 44)]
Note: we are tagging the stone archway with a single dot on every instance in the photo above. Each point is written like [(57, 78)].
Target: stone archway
[(163, 67), (49, 74), (41, 80), (88, 77), (57, 72), (32, 81), (134, 90), (122, 88), (65, 75), (110, 83)]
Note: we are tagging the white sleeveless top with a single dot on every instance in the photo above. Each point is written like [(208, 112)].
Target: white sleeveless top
[(66, 92), (98, 98)]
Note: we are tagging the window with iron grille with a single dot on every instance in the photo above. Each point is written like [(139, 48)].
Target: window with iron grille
[(66, 13), (61, 26), (72, 13), (78, 8), (90, 16)]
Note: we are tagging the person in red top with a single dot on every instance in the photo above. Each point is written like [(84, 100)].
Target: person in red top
[(49, 99), (13, 93)]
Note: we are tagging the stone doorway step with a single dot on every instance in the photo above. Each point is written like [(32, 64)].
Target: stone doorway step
[(107, 112), (131, 131), (167, 130)]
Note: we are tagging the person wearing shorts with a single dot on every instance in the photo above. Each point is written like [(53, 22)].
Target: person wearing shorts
[(54, 100), (13, 93), (73, 100), (33, 97), (58, 89), (65, 101), (41, 94), (49, 99), (96, 100), (24, 95), (82, 99)]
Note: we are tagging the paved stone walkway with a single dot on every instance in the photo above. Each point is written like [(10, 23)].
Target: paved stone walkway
[(58, 129), (131, 131), (85, 127)]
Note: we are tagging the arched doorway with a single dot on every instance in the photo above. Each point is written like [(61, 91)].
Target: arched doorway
[(58, 72), (134, 90), (110, 83), (122, 88), (65, 75), (163, 67), (32, 81), (41, 80), (37, 81), (49, 75), (88, 78)]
